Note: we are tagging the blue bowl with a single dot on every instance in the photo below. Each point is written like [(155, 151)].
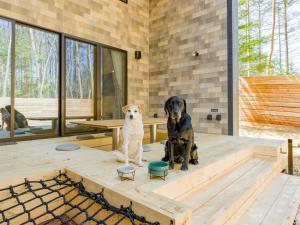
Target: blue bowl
[(159, 168)]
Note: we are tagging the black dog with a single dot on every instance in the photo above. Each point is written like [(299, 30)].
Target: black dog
[(20, 119), (180, 147)]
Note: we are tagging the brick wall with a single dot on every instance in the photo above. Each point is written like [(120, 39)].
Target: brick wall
[(110, 22), (177, 29), (167, 37)]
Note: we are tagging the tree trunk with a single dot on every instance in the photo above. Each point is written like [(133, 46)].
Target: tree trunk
[(78, 71), (279, 38), (248, 37), (272, 36), (90, 72), (259, 31), (286, 37), (7, 68), (35, 55), (45, 69)]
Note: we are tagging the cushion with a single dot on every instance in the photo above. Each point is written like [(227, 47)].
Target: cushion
[(85, 137), (67, 147), (35, 129), (21, 131), (147, 148)]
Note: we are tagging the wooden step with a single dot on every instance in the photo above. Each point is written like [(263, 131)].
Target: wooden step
[(215, 160), (217, 202), (277, 204)]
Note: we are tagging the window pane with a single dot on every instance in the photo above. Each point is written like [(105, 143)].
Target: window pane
[(114, 83), (79, 84), (5, 76), (36, 92)]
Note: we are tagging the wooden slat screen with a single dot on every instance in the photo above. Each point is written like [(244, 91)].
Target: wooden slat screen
[(270, 100)]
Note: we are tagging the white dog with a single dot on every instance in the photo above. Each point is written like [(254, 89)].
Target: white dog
[(133, 134)]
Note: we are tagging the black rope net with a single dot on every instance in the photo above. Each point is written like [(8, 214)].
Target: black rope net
[(60, 200)]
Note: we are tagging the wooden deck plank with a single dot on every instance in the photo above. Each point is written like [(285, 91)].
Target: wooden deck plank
[(284, 210), (217, 154), (223, 205), (276, 205), (208, 192)]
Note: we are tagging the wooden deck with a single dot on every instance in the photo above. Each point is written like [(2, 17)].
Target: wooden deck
[(237, 181)]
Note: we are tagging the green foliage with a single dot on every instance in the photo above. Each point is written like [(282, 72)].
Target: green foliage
[(251, 59), (255, 37), (36, 64)]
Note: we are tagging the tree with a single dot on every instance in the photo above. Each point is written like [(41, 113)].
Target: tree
[(7, 68), (251, 59), (279, 36), (46, 66), (286, 37), (272, 36)]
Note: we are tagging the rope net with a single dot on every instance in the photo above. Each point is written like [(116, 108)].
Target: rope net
[(60, 200)]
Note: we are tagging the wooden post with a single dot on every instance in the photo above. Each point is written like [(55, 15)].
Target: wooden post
[(290, 157), (116, 137), (153, 131)]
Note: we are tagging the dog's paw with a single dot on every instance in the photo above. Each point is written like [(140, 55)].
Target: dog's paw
[(171, 166), (194, 161), (184, 167), (140, 164), (165, 159), (179, 159)]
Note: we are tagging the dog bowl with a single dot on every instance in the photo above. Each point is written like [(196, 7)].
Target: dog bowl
[(158, 169), (67, 147), (126, 172)]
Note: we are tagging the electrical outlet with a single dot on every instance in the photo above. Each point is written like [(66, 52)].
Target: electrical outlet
[(209, 117)]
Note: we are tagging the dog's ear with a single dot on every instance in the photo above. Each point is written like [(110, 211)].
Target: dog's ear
[(7, 107), (184, 103), (166, 106), (125, 108), (141, 108)]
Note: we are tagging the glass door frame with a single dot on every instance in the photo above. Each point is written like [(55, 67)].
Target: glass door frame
[(63, 76), (98, 80), (13, 82), (101, 73)]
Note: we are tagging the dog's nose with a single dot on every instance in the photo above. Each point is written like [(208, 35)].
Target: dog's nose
[(131, 116)]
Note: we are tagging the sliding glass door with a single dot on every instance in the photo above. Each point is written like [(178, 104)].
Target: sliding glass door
[(114, 83), (48, 81), (80, 84), (36, 81), (5, 76)]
